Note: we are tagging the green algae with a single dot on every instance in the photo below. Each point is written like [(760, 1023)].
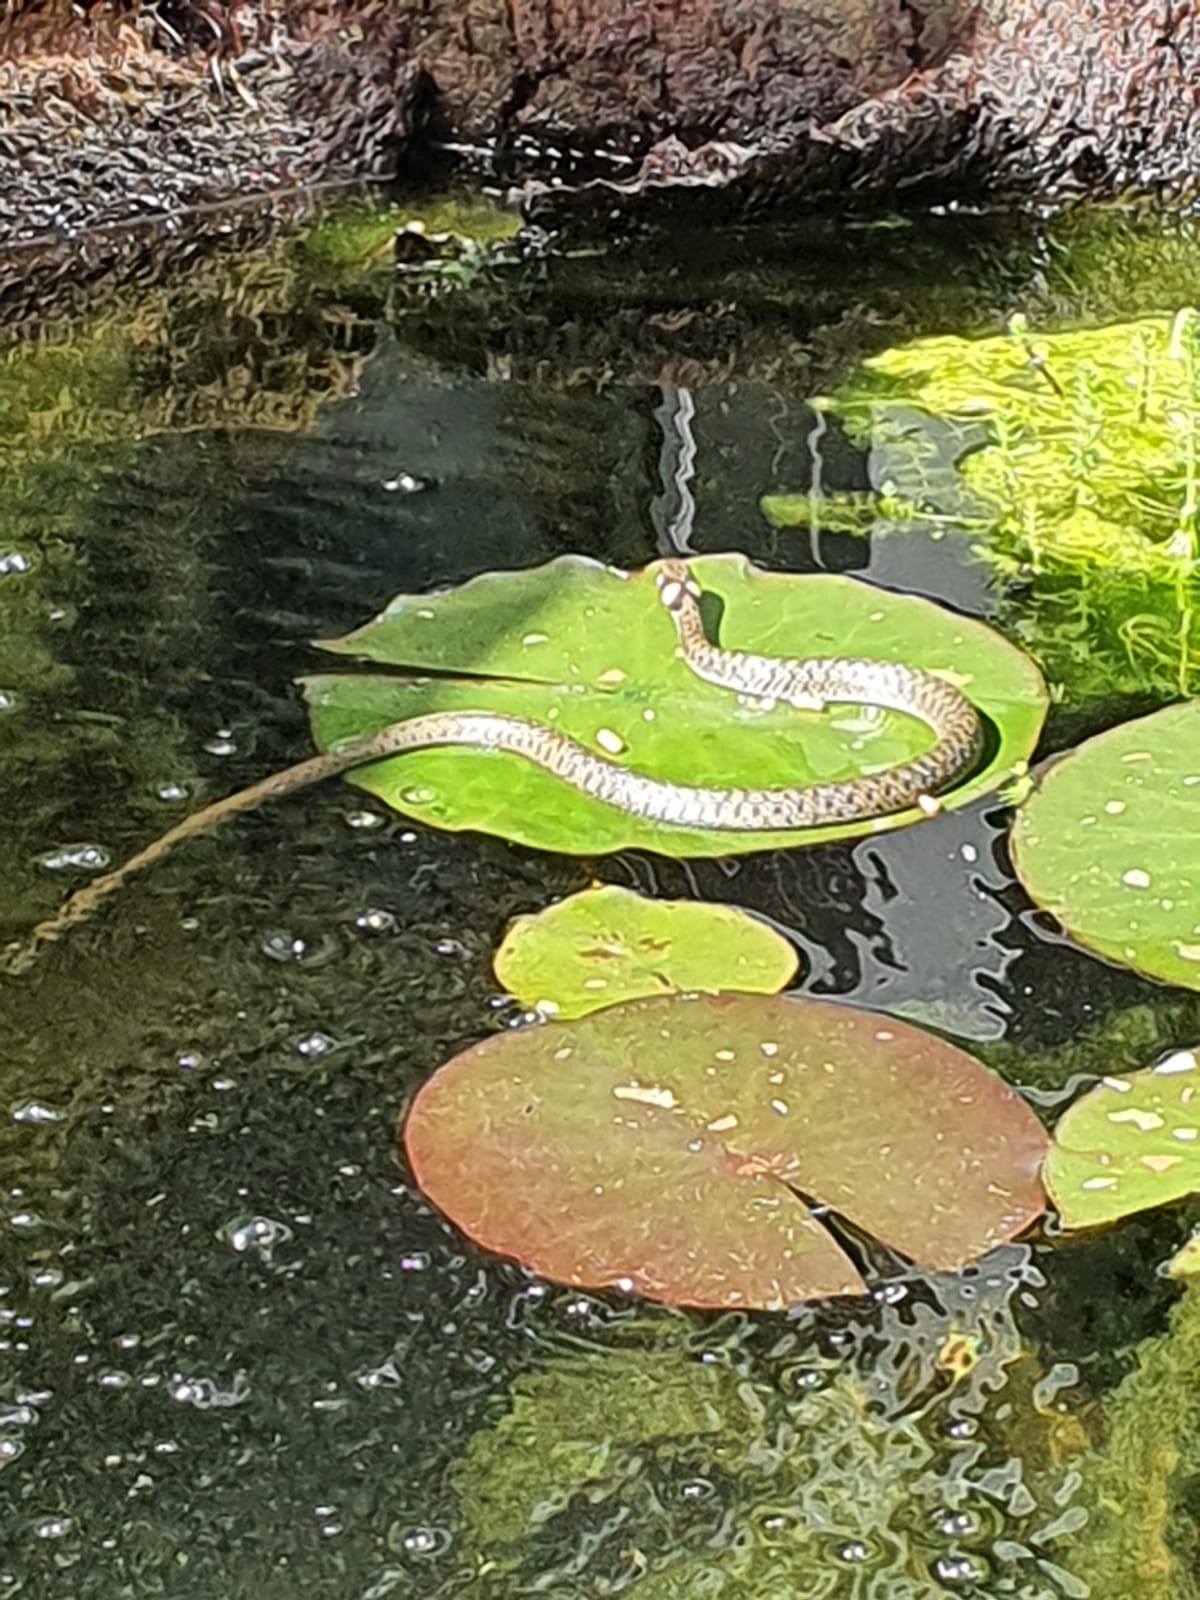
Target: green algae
[(1143, 1534), (351, 244), (673, 1473), (576, 1427)]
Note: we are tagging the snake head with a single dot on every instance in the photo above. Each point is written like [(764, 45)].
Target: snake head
[(676, 586)]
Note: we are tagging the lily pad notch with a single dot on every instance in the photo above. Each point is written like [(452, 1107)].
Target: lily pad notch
[(664, 1146)]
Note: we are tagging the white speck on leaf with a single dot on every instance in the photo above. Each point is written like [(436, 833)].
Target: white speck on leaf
[(1144, 1121)]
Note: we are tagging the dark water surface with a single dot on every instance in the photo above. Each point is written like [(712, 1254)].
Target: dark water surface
[(239, 1355)]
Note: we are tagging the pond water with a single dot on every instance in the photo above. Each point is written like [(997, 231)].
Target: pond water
[(240, 1356)]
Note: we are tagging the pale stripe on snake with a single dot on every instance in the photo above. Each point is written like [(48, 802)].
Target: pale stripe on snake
[(808, 683)]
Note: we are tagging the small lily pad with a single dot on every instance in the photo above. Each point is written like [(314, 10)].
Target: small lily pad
[(675, 1146), (1129, 1144), (590, 651), (1108, 844), (608, 944)]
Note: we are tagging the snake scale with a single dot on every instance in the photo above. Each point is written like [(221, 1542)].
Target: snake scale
[(807, 683)]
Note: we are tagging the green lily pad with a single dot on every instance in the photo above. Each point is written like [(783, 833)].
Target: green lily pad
[(591, 651), (1108, 844), (609, 944), (672, 1146), (1129, 1144)]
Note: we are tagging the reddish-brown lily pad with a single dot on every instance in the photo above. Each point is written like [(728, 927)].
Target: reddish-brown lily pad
[(670, 1145)]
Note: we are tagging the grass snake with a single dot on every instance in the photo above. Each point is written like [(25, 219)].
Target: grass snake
[(808, 683)]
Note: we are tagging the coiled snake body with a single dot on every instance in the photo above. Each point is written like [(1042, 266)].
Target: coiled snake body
[(808, 682)]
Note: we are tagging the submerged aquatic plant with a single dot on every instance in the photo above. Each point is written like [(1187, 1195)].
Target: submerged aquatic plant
[(1142, 1537), (1071, 461), (685, 1463)]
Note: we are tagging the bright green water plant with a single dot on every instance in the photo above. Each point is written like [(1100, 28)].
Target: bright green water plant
[(672, 1145), (1070, 459), (1108, 844), (589, 650), (608, 944)]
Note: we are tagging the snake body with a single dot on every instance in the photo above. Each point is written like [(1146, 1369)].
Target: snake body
[(806, 682)]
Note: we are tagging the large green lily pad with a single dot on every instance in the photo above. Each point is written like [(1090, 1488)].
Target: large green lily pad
[(608, 944), (591, 651), (1109, 844), (670, 1146), (1129, 1144)]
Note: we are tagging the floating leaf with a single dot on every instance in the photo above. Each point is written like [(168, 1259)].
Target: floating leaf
[(671, 1145), (590, 651), (1129, 1144), (609, 944), (1108, 844)]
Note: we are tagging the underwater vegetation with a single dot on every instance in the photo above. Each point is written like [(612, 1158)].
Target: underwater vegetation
[(697, 1466), (1069, 461)]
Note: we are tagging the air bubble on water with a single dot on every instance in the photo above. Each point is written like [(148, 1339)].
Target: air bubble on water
[(75, 858), (697, 1489), (52, 1527), (407, 483), (451, 947), (221, 744), (10, 1449), (189, 1060), (46, 1278), (415, 1261), (375, 921), (207, 1395), (14, 564), (424, 1541), (957, 1569), (853, 1552), (127, 1341), (36, 1114), (315, 1045), (24, 1221), (8, 701), (890, 1294), (112, 1378), (256, 1236), (294, 949), (958, 1525), (364, 821), (171, 792)]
